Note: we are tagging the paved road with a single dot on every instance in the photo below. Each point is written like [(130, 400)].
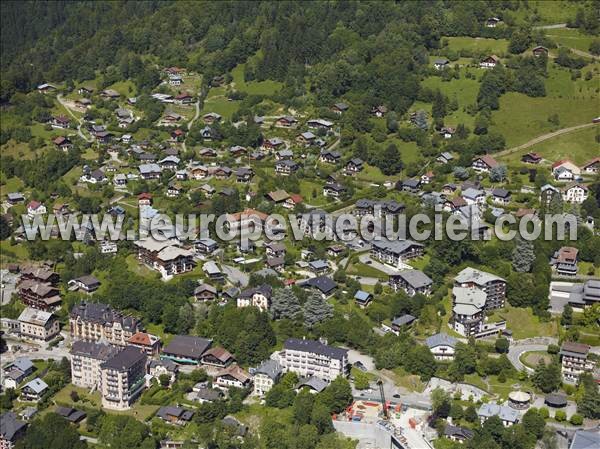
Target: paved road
[(235, 276), (515, 352), (544, 137)]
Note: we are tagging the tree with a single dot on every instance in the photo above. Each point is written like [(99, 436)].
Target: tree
[(566, 318), (5, 229), (164, 380), (460, 173), (441, 403), (389, 161), (588, 403), (321, 418), (465, 361), (456, 412), (576, 419), (547, 377), (285, 304), (471, 414), (498, 174), (438, 109), (51, 431), (303, 406), (502, 345), (534, 423), (337, 396), (279, 396), (316, 309), (519, 40), (523, 255)]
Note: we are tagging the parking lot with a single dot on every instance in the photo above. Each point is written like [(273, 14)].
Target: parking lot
[(8, 287)]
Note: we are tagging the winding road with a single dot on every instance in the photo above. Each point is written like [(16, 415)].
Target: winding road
[(79, 121), (544, 137)]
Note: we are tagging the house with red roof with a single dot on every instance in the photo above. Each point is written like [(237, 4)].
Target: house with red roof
[(484, 163), (145, 199), (149, 343), (35, 208)]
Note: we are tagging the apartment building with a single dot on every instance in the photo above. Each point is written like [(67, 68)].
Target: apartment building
[(265, 376), (122, 378), (574, 360), (94, 321), (167, 257), (468, 310), (313, 358), (86, 359), (38, 325), (395, 252), (493, 286)]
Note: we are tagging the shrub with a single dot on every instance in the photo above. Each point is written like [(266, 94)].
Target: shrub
[(576, 420), (560, 415), (544, 412)]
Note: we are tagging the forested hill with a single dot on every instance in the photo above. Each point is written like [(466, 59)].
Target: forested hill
[(374, 48)]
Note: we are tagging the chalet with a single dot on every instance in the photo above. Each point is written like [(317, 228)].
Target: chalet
[(395, 252), (473, 196), (441, 64), (186, 349), (456, 433), (148, 343), (273, 144), (319, 124), (232, 376), (563, 173), (306, 138), (175, 80), (126, 138), (575, 193), (205, 292), (409, 185), (492, 22), (175, 415), (149, 171), (286, 122), (218, 357), (319, 267), (174, 71), (39, 274), (60, 121), (567, 164), (103, 136), (259, 297), (564, 261), (237, 150), (86, 284), (501, 196), (402, 322), (591, 167), (83, 103), (445, 157), (163, 98), (172, 117), (442, 346), (211, 117), (274, 249), (339, 108), (183, 98), (426, 178), (120, 179), (283, 155), (258, 155), (539, 51), (169, 163), (174, 190), (365, 206), (166, 256), (531, 158), (46, 88), (199, 172), (379, 111), (222, 172), (177, 134), (206, 245), (293, 201), (325, 285), (411, 281), (484, 163), (362, 298), (334, 190), (35, 208), (354, 166), (212, 270), (207, 152), (447, 132), (110, 94), (547, 192), (34, 390), (330, 157), (208, 190), (244, 174), (132, 101), (95, 177), (286, 167), (335, 250), (489, 62), (63, 143), (144, 199), (15, 198), (278, 196)]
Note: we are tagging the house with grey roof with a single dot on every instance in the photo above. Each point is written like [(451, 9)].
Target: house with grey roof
[(313, 384), (323, 284), (411, 281), (585, 439), (493, 286), (178, 416), (395, 252), (457, 433), (507, 415), (11, 429), (442, 346), (313, 358), (123, 378), (186, 349), (34, 390), (362, 298), (401, 322), (149, 171), (266, 375)]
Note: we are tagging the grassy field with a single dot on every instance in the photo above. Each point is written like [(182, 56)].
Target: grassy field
[(10, 253), (571, 38), (217, 101), (409, 381), (531, 359), (521, 118), (477, 44), (361, 269), (13, 184), (409, 151), (548, 12), (524, 324), (267, 87), (125, 88), (580, 146), (134, 266)]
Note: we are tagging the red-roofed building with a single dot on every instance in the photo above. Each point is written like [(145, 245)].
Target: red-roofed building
[(145, 199), (64, 143), (217, 356), (484, 163), (292, 201), (149, 343), (35, 208), (531, 158)]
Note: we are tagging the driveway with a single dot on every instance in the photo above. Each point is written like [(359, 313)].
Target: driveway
[(387, 269), (235, 276), (8, 283)]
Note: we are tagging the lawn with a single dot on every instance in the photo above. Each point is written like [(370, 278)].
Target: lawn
[(72, 176), (306, 190), (523, 323), (371, 174), (572, 38), (125, 88), (217, 101), (579, 146), (135, 266), (267, 87), (409, 151), (521, 118), (361, 269), (478, 44), (409, 381), (254, 414), (13, 184), (90, 154), (548, 12), (531, 359), (10, 253)]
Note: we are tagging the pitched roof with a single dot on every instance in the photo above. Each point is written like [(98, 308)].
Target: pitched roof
[(315, 347), (403, 320), (94, 350), (415, 278), (125, 359), (585, 439), (34, 316), (270, 368), (441, 339), (323, 283), (10, 426), (236, 372), (37, 385), (488, 160), (187, 346), (143, 338)]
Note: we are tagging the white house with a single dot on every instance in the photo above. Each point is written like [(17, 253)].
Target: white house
[(575, 193), (35, 208)]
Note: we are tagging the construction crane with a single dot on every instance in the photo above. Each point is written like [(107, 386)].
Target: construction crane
[(385, 410)]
